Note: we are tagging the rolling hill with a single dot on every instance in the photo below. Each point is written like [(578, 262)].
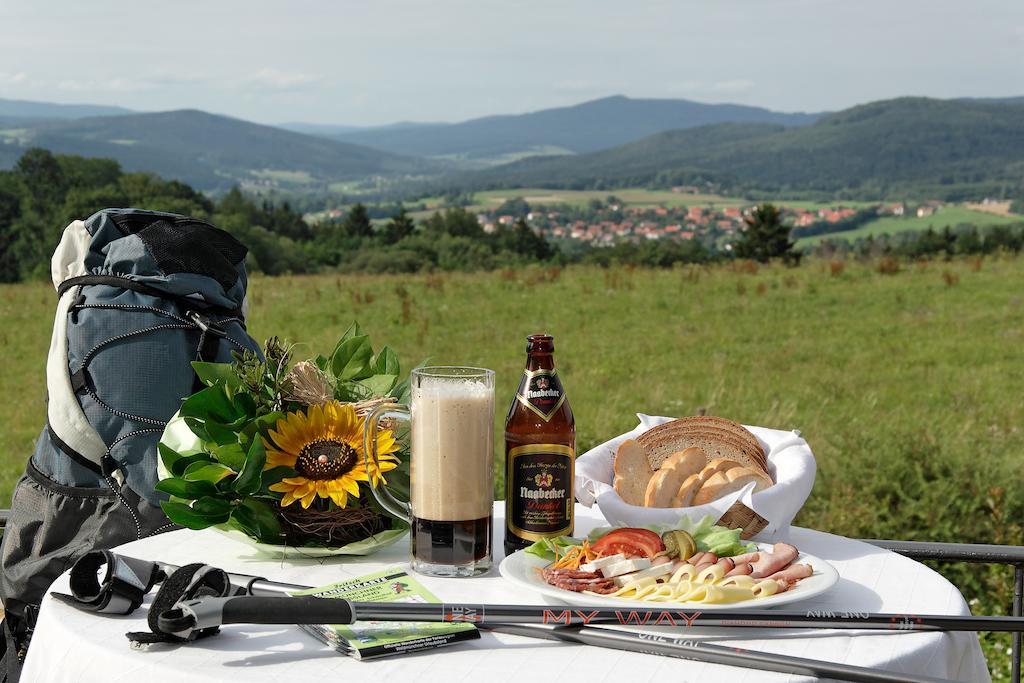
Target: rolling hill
[(581, 128), (39, 111), (942, 148), (212, 152)]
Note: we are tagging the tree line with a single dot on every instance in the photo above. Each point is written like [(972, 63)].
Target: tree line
[(44, 192)]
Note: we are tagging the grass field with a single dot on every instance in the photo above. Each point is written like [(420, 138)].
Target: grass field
[(948, 215), (907, 386), (633, 196)]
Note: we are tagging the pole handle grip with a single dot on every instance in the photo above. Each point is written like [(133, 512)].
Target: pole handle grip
[(253, 609)]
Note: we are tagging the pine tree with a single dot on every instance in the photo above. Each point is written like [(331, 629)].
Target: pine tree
[(765, 236), (398, 228), (357, 223)]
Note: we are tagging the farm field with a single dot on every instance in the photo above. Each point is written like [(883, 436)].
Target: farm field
[(635, 196), (907, 386), (948, 215)]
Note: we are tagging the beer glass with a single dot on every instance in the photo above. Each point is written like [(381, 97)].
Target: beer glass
[(451, 469)]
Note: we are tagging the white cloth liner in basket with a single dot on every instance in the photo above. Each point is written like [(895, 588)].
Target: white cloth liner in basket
[(790, 464)]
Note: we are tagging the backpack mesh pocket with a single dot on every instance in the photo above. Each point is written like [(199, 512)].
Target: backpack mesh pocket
[(194, 247)]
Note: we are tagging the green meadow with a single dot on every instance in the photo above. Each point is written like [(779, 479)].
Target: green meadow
[(951, 216), (907, 385)]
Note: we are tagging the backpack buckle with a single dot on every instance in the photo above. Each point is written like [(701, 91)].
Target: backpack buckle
[(206, 325)]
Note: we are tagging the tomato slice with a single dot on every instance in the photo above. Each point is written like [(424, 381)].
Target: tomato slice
[(629, 541)]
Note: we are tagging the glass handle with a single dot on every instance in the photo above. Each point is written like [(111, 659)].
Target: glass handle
[(381, 494)]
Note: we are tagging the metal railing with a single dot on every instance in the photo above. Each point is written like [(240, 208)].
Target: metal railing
[(979, 553)]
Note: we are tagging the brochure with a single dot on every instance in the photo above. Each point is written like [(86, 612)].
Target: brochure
[(369, 639)]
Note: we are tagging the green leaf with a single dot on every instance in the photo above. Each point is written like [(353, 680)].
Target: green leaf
[(273, 476), (182, 464), (402, 392), (168, 455), (263, 424), (219, 434), (258, 520), (386, 362), (354, 330), (322, 362), (248, 480), (208, 506), (207, 471), (186, 489), (198, 427), (352, 391), (211, 402), (379, 385), (185, 516), (231, 455), (212, 373), (351, 360)]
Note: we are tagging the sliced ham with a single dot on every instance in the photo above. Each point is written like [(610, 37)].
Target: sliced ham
[(782, 555), (793, 573), (660, 559), (740, 570), (746, 558), (728, 563)]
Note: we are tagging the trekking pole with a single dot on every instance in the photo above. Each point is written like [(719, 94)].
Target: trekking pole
[(207, 612)]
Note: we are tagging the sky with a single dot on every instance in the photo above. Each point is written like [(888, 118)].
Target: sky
[(380, 61)]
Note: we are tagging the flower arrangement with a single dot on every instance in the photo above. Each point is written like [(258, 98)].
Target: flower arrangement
[(278, 447)]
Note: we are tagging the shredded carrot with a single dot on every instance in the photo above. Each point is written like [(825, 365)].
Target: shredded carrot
[(574, 556)]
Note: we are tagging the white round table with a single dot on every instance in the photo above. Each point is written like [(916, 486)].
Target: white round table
[(80, 647)]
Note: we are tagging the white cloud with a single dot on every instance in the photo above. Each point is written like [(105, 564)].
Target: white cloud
[(735, 85), (18, 78), (106, 85), (275, 78)]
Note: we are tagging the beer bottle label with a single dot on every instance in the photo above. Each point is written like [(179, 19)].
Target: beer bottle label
[(539, 501), (541, 391)]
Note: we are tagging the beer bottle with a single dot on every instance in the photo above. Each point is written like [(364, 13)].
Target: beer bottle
[(540, 447)]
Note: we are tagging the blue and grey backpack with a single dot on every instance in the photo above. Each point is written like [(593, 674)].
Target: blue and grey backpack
[(141, 295)]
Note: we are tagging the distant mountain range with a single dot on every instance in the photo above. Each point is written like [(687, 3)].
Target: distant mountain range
[(918, 145), (24, 109), (922, 146), (212, 152), (581, 128)]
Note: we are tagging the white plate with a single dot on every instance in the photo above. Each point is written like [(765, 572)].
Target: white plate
[(519, 568)]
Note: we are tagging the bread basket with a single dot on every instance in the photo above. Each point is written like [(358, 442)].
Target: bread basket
[(765, 515)]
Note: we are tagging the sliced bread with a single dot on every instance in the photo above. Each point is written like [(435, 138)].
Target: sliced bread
[(632, 472), (715, 425), (677, 468), (684, 496), (717, 465), (715, 442), (730, 481)]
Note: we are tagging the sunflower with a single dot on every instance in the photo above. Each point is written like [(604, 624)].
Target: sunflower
[(324, 445)]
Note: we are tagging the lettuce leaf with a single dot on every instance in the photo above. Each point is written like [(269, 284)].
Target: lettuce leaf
[(545, 547), (719, 540)]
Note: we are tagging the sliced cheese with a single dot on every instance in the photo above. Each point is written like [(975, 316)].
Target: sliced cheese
[(649, 573), (602, 562), (625, 567)]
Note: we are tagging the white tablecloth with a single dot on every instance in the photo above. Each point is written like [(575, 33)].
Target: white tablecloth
[(74, 646)]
